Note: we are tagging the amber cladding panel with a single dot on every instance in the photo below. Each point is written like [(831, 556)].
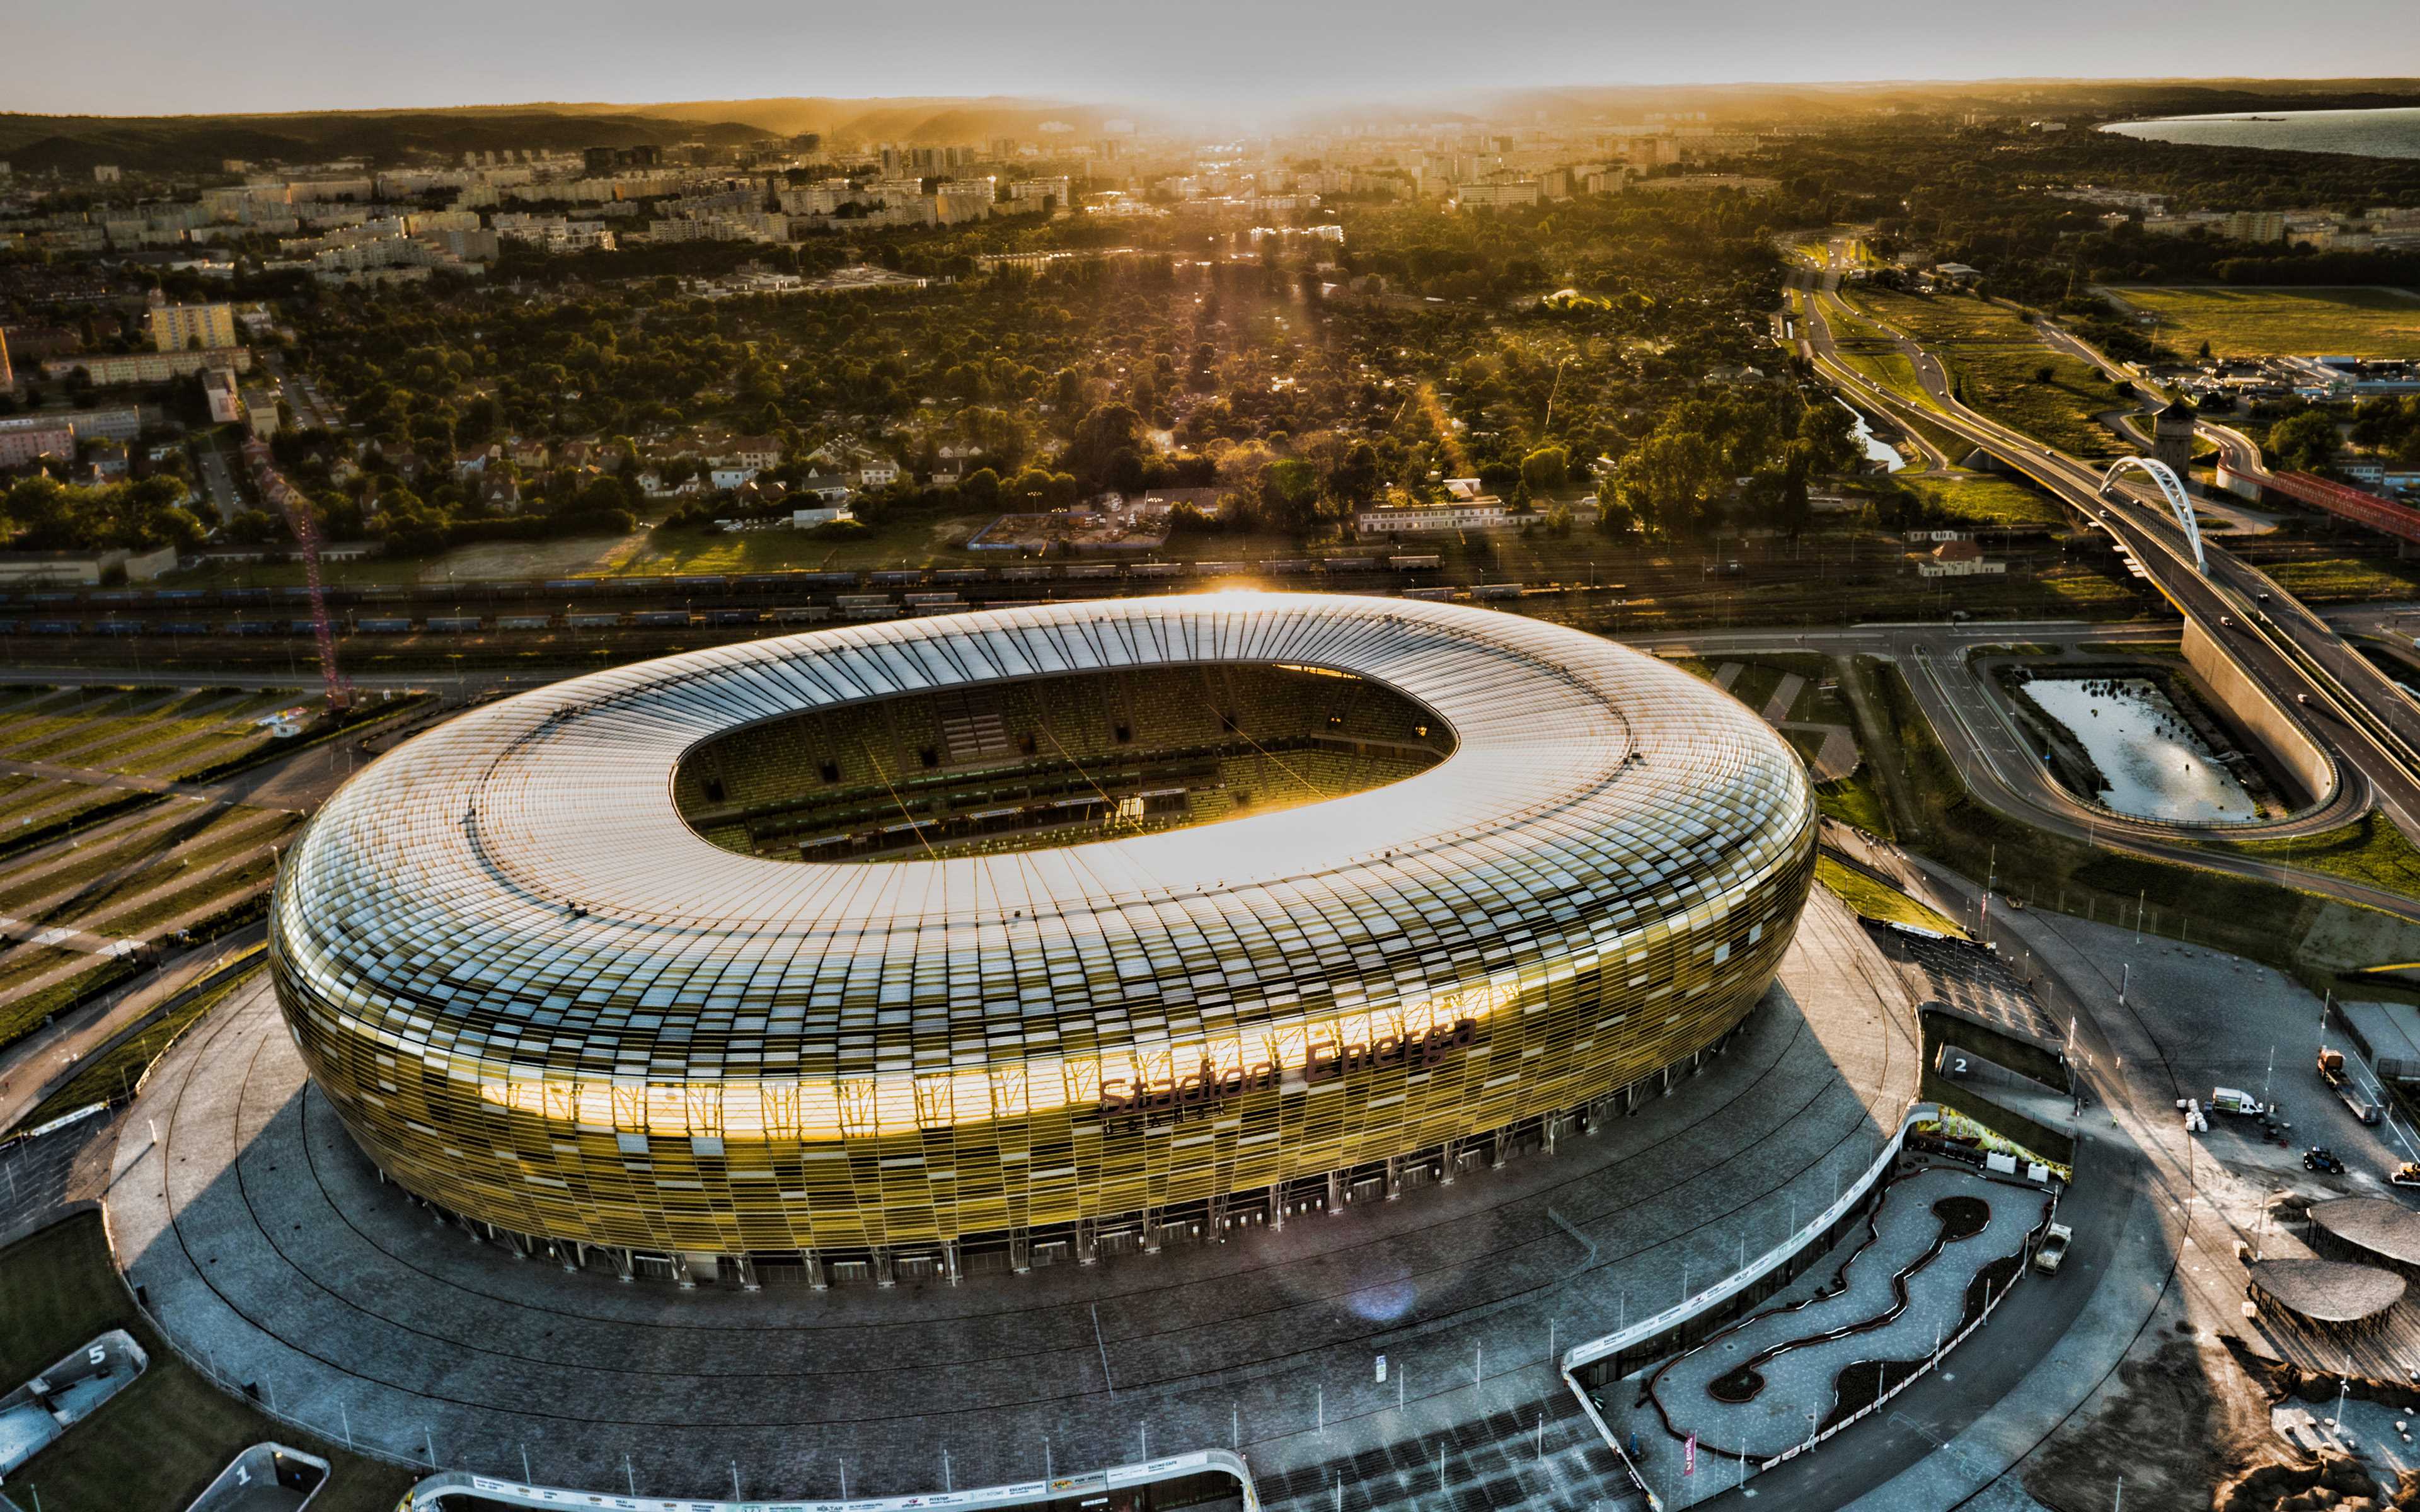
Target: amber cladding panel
[(537, 995)]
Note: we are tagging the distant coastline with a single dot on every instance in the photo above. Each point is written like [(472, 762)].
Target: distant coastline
[(2392, 133)]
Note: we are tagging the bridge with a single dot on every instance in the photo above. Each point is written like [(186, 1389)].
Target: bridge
[(2171, 488)]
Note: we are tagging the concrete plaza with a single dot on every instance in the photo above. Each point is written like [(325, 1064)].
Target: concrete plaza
[(270, 1251)]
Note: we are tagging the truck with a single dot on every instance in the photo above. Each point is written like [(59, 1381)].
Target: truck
[(2332, 1070), (2053, 1249), (2229, 1100)]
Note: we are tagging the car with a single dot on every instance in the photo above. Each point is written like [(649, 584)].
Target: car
[(2301, 698), (2226, 621), (2053, 1249), (2322, 1159), (2407, 1174)]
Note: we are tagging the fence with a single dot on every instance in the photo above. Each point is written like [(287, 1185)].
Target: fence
[(1991, 1305), (1087, 1487), (1651, 1335)]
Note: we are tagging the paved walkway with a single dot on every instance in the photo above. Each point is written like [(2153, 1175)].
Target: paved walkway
[(271, 1250), (1802, 1385)]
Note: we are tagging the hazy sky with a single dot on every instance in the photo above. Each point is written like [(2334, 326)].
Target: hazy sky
[(146, 57)]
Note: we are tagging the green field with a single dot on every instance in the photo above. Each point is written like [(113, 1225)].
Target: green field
[(1986, 502), (1995, 357), (1878, 900), (116, 1073), (2370, 850), (152, 1447), (2284, 322), (2241, 915), (22, 1016), (2347, 581)]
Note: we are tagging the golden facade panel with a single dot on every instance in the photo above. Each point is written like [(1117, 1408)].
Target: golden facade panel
[(644, 960)]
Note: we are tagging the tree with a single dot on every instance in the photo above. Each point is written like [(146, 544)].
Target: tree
[(2303, 442), (1290, 493), (1794, 510), (1669, 481), (1546, 470), (1105, 448), (1355, 477), (1828, 433)]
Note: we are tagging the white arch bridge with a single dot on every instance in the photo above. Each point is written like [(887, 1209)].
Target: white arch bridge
[(2171, 488)]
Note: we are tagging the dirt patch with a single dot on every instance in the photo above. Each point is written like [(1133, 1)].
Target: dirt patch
[(2334, 1482), (958, 531), (1739, 1385), (571, 557), (1858, 1386), (2177, 1419), (1963, 1217)]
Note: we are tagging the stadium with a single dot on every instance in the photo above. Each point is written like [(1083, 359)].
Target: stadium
[(989, 940)]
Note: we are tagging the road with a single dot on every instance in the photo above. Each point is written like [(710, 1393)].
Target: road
[(2351, 708), (218, 478)]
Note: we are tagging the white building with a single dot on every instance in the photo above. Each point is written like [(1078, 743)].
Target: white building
[(1424, 519)]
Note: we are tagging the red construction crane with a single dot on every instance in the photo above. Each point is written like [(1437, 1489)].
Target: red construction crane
[(305, 526)]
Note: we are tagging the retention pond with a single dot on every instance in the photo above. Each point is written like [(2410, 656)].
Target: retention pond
[(2151, 760)]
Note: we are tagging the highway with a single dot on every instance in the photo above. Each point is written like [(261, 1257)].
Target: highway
[(2354, 710)]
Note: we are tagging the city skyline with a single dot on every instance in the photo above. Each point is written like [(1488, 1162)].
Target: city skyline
[(1263, 58)]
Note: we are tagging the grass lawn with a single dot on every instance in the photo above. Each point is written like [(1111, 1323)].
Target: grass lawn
[(29, 960), (20, 1017), (120, 1069), (2291, 322), (251, 876), (2258, 920), (2347, 580), (1856, 801), (1878, 900), (152, 1447), (189, 875), (140, 844), (2371, 850), (1986, 502), (1995, 357)]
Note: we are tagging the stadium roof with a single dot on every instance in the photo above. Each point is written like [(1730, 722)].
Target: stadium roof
[(517, 886)]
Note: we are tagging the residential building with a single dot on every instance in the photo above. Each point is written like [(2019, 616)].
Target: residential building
[(176, 327), (147, 367), (1496, 196), (107, 461), (1058, 192), (1483, 512), (25, 440), (218, 387), (963, 200), (2255, 225), (755, 452), (1959, 559)]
